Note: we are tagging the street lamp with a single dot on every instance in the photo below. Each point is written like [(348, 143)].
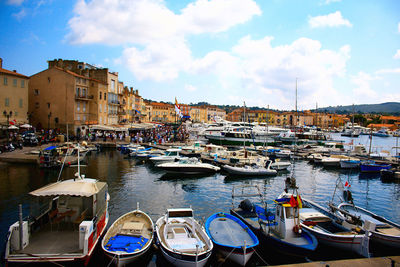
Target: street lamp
[(7, 115), (48, 121)]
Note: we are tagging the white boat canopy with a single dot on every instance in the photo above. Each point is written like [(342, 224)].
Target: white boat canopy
[(80, 187)]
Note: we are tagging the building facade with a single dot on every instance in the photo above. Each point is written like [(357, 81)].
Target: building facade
[(13, 97)]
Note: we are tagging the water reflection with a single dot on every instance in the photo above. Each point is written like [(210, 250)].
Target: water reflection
[(131, 181)]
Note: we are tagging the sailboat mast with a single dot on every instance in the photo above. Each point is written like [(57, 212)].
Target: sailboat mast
[(297, 115)]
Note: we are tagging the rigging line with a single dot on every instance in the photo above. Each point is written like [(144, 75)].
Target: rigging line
[(112, 260)]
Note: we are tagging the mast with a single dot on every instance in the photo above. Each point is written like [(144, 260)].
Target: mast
[(297, 114)]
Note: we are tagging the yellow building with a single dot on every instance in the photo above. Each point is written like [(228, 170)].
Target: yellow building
[(58, 97), (13, 96)]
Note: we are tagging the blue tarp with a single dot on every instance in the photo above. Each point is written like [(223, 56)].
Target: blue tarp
[(50, 148), (126, 243)]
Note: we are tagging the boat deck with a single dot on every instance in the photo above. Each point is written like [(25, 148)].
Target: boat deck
[(53, 241)]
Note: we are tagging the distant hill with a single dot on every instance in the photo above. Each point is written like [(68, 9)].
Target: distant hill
[(384, 108)]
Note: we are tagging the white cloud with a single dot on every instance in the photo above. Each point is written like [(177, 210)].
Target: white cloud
[(15, 2), (190, 88), (330, 20), (327, 2), (263, 74), (397, 55), (216, 15), (20, 15), (363, 92), (146, 21), (388, 71)]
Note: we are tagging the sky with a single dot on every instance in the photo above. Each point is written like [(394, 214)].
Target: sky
[(224, 52)]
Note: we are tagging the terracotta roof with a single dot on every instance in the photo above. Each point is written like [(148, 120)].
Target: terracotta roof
[(13, 73)]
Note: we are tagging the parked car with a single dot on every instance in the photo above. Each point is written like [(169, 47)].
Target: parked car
[(29, 139)]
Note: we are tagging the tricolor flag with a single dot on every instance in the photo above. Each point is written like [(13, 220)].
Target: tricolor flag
[(178, 108), (299, 203)]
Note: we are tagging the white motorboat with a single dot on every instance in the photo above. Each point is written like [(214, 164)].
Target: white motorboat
[(183, 241), (283, 153), (188, 166), (280, 165), (250, 170), (128, 238), (65, 228), (170, 155)]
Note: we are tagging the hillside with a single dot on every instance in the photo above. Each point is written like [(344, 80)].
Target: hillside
[(383, 108)]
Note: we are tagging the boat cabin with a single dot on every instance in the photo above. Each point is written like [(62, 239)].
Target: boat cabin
[(67, 218)]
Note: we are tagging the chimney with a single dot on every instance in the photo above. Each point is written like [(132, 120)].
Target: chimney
[(1, 63)]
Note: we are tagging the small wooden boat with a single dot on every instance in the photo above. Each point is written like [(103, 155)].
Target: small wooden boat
[(250, 170), (329, 230), (384, 231), (277, 228), (128, 238), (183, 241), (350, 164), (372, 166), (232, 237)]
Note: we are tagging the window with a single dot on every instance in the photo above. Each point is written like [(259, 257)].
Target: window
[(7, 102), (16, 113), (22, 83), (84, 117), (112, 86), (78, 91), (36, 92), (20, 102), (84, 107), (100, 96), (101, 120), (83, 92), (5, 80), (37, 105), (15, 82), (105, 96), (48, 105), (78, 118), (78, 107), (100, 108)]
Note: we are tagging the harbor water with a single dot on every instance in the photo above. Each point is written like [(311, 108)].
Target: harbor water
[(131, 182)]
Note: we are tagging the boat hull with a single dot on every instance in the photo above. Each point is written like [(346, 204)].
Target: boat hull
[(187, 169), (366, 167), (249, 172)]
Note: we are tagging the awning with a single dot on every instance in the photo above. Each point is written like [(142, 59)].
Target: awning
[(80, 187), (25, 126)]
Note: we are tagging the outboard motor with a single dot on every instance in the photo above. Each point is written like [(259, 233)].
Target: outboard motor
[(246, 205), (347, 196)]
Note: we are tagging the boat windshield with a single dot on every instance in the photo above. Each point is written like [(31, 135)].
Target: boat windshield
[(180, 213)]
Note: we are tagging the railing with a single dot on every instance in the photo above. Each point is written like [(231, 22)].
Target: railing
[(84, 97)]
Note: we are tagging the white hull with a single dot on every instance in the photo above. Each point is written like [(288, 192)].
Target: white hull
[(349, 165), (249, 171), (183, 263), (239, 258)]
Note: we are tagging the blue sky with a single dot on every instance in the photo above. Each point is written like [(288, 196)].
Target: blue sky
[(342, 52)]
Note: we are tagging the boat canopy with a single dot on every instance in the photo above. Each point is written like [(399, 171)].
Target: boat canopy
[(78, 187)]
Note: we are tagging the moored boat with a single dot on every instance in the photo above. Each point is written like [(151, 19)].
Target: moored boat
[(328, 229), (65, 227), (372, 166), (128, 238), (384, 231), (250, 170), (350, 164), (183, 241), (170, 155), (188, 166), (277, 228), (232, 237)]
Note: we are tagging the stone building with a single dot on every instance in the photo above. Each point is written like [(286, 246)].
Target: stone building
[(13, 97)]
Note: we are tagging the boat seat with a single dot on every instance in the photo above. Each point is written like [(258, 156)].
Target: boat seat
[(389, 231), (132, 228)]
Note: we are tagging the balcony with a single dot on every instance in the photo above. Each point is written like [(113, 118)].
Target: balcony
[(84, 97)]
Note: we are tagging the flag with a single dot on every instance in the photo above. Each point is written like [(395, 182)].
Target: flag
[(293, 201), (299, 203), (177, 108), (347, 184), (11, 122)]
